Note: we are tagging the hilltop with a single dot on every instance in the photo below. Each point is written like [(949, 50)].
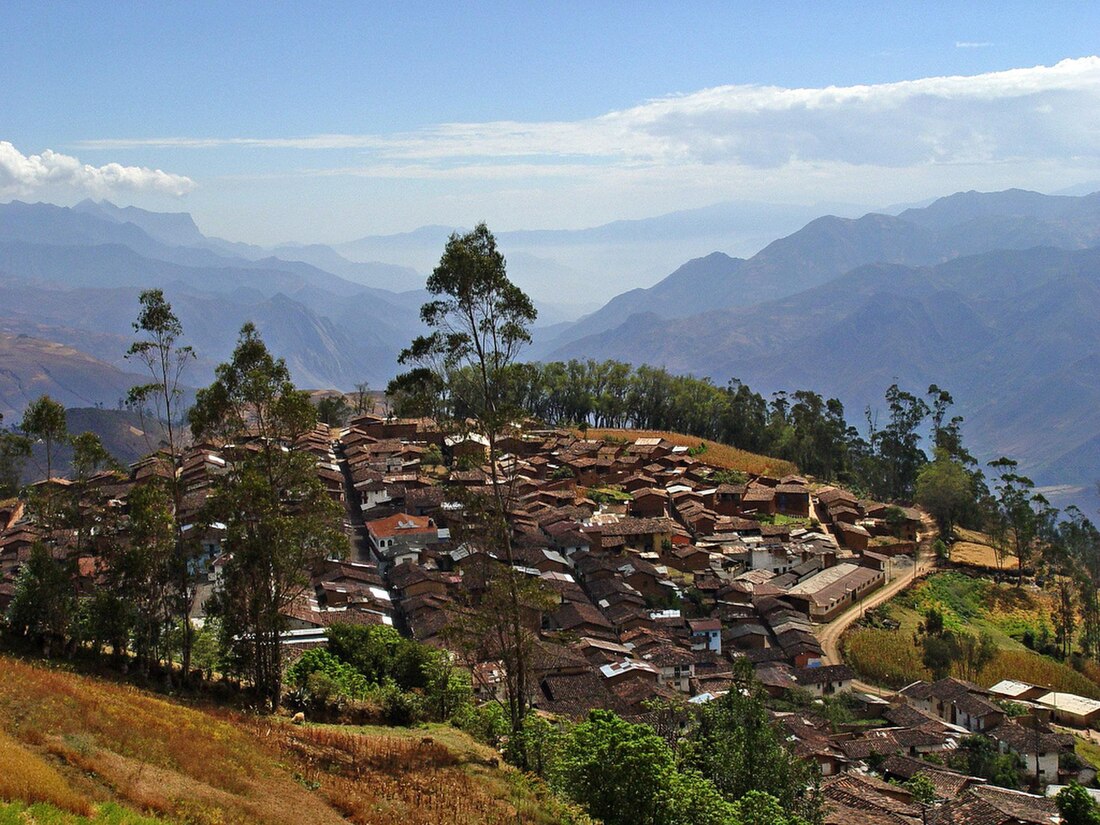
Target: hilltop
[(95, 748)]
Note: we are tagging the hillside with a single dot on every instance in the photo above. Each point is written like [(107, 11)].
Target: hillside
[(124, 433), (963, 224), (1014, 335), (883, 652), (74, 275), (32, 366), (94, 748)]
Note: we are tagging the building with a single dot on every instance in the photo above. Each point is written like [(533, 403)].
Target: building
[(401, 537), (1071, 709), (829, 593)]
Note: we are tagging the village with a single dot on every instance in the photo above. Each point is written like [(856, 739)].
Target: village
[(661, 572)]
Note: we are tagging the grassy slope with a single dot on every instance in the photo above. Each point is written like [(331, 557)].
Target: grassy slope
[(84, 745), (890, 657), (720, 455)]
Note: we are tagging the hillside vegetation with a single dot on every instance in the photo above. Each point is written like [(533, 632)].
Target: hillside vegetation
[(77, 749), (887, 654)]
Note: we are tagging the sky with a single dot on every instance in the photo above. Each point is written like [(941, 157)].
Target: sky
[(325, 122)]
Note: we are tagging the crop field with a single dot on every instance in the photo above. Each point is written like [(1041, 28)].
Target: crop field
[(974, 550), (76, 749), (890, 657)]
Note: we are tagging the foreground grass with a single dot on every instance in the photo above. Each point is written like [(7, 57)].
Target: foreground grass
[(29, 777), (718, 455), (975, 605), (80, 744), (18, 813)]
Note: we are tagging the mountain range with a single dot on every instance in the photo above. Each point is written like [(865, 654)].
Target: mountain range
[(995, 296)]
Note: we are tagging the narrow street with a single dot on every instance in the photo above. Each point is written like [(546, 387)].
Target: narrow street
[(353, 516)]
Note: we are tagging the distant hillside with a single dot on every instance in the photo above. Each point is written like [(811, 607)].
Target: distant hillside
[(83, 745), (1015, 336), (125, 434), (962, 224), (596, 263), (30, 367), (74, 275)]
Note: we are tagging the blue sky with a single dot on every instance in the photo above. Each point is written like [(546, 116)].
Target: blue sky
[(558, 128)]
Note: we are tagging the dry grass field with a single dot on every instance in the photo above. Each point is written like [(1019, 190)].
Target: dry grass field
[(89, 750), (973, 549), (719, 455)]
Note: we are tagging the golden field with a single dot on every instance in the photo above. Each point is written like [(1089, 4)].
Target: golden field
[(79, 749)]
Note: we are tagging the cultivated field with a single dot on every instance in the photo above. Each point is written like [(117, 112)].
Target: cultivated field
[(888, 656)]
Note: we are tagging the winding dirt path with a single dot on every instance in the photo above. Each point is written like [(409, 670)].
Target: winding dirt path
[(829, 634)]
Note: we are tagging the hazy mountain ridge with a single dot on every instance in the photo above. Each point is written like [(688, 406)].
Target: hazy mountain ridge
[(1014, 334), (30, 367), (994, 295), (962, 224)]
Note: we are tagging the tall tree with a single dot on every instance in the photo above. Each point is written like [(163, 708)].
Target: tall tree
[(736, 747), (44, 420), (897, 445), (362, 398), (159, 349), (43, 607), (279, 519), (165, 359), (945, 489), (479, 322), (14, 451), (1022, 518)]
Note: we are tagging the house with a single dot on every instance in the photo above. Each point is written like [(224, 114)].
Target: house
[(1037, 747), (626, 669), (675, 664), (397, 536), (706, 634), (792, 499), (1071, 709), (989, 805), (852, 798), (956, 702), (830, 592), (759, 499), (852, 536), (1017, 691), (948, 783), (649, 502), (641, 533), (825, 680)]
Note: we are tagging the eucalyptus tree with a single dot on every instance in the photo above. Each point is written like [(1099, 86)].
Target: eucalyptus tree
[(15, 448), (479, 322), (279, 519), (44, 420), (159, 349)]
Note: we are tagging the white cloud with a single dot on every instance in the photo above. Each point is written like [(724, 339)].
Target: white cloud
[(24, 174), (972, 44), (1035, 127), (1030, 113)]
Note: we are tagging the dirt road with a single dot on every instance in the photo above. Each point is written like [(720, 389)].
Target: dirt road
[(829, 634)]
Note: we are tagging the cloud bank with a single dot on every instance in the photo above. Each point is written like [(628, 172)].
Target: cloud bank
[(25, 174), (1030, 114)]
